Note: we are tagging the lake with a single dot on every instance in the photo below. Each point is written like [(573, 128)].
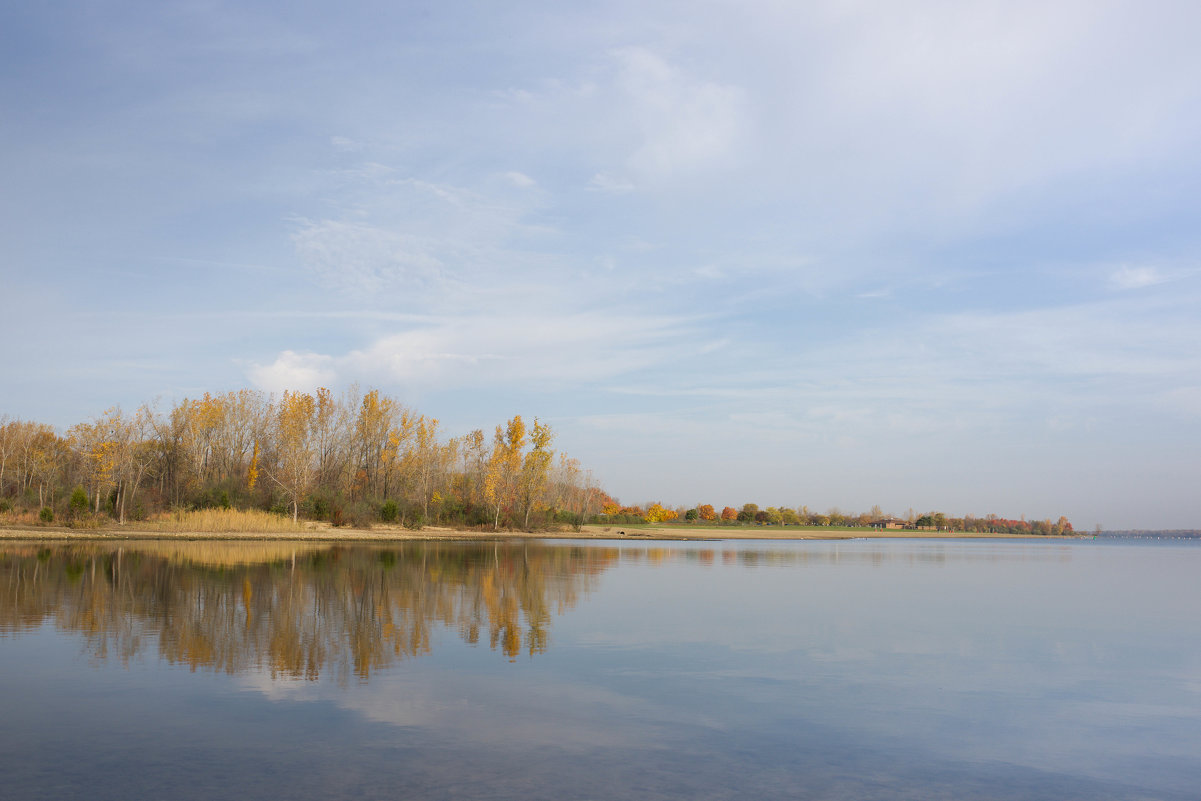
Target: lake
[(864, 669)]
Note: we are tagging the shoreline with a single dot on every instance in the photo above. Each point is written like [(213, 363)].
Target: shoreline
[(325, 533)]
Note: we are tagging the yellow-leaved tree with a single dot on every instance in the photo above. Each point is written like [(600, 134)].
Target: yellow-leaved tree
[(657, 513), (535, 469), (294, 468), (504, 467), (252, 472)]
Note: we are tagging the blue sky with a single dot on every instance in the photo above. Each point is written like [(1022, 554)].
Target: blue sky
[(938, 255)]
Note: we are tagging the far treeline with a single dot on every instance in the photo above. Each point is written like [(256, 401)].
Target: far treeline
[(354, 459), (706, 514)]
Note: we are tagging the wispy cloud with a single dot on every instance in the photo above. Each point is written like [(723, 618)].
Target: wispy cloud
[(520, 179), (683, 123), (604, 182), (494, 350), (345, 144), (365, 258), (1126, 277)]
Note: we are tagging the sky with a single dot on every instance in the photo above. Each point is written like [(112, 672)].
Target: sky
[(929, 255)]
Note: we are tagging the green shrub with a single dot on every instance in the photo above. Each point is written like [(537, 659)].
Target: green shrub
[(319, 509), (78, 503), (5, 506), (46, 515), (388, 512)]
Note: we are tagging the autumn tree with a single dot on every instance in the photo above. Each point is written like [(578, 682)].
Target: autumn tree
[(295, 465), (535, 469), (46, 458), (8, 445), (706, 511), (325, 415), (657, 513), (574, 491), (504, 467), (426, 460), (474, 453), (373, 430), (135, 456), (94, 449)]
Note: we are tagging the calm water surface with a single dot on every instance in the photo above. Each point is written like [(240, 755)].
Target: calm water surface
[(824, 670)]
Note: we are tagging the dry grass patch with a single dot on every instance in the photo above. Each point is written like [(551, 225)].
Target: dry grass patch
[(24, 518), (222, 521)]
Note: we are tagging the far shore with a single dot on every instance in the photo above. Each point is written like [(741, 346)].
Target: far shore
[(323, 532)]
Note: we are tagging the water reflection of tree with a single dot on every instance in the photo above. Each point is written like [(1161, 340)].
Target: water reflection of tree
[(294, 611)]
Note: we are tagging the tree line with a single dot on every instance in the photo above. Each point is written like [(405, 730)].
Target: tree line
[(356, 458), (750, 513)]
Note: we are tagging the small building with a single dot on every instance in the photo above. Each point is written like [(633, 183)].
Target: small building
[(890, 523)]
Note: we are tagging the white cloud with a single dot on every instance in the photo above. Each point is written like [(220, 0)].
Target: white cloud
[(520, 179), (344, 144), (294, 371), (1135, 277), (604, 182)]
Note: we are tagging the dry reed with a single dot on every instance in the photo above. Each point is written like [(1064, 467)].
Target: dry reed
[(221, 521)]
